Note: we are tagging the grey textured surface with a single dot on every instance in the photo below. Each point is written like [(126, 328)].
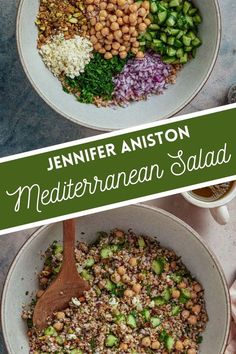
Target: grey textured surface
[(27, 123)]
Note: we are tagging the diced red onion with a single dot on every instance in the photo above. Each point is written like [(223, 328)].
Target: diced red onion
[(140, 78)]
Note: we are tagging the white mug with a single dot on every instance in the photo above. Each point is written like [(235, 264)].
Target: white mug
[(218, 208)]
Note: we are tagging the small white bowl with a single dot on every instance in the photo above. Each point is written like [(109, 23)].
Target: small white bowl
[(189, 81), (170, 231)]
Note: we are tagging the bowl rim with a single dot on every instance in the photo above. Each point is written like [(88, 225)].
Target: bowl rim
[(141, 206), (97, 128)]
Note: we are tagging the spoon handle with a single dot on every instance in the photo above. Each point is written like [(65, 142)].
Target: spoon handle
[(69, 242)]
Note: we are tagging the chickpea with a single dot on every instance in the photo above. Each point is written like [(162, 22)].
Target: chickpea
[(134, 50), (126, 37), (133, 8), (125, 278), (148, 22), (146, 5), (140, 20), (186, 342), (142, 12), (93, 21), (175, 294), (44, 281), (125, 29), (192, 320), (196, 309), (179, 346), (193, 295), (99, 35), (116, 45), (121, 2), (197, 288), (133, 262), (137, 288), (119, 13), (118, 34), (102, 51), (136, 44), (110, 37), (131, 29), (126, 19), (123, 346), (132, 18), (132, 39), (189, 304), (90, 8), (97, 46), (120, 21), (60, 315), (115, 26), (39, 293), (92, 31), (122, 49), (115, 277), (98, 26), (89, 2), (114, 52), (93, 39), (58, 326), (123, 54), (142, 27), (135, 34), (185, 314), (182, 285), (129, 293), (155, 345), (146, 342), (108, 55), (191, 351), (113, 18), (105, 31), (103, 5), (103, 13), (110, 7)]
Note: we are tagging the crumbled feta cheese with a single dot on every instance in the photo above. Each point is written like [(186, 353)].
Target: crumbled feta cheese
[(67, 56), (75, 301)]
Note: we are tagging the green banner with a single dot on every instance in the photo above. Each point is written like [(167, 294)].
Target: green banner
[(117, 167)]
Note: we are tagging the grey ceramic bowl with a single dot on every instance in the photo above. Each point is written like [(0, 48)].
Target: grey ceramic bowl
[(190, 80), (170, 231)]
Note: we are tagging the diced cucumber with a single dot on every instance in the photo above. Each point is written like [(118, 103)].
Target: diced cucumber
[(186, 293), (141, 242), (197, 19), (168, 60), (174, 3), (184, 59), (76, 351), (155, 321), (171, 41), (179, 53), (166, 294), (120, 318), (162, 16), (57, 248), (59, 340), (196, 42), (153, 7), (193, 11), (177, 278), (158, 264), (111, 341), (85, 275), (146, 314), (50, 331), (175, 310), (131, 321), (186, 41), (163, 335), (110, 286), (106, 252), (57, 269), (153, 26), (186, 7), (89, 263), (191, 34), (189, 21), (169, 343), (188, 49), (178, 43), (170, 21), (159, 301), (163, 37)]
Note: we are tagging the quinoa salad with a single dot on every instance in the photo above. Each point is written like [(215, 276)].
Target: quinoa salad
[(113, 52), (142, 300)]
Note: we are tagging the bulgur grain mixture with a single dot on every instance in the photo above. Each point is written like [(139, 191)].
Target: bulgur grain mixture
[(142, 300), (135, 32)]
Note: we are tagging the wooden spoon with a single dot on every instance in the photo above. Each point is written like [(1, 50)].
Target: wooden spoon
[(67, 284)]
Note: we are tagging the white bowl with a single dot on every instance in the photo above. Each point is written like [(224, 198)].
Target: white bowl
[(170, 231), (190, 80)]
